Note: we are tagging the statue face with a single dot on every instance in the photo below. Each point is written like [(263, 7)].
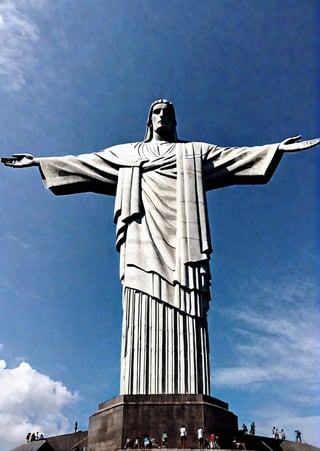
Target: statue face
[(162, 118)]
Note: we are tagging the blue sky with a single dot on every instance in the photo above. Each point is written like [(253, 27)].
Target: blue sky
[(78, 76)]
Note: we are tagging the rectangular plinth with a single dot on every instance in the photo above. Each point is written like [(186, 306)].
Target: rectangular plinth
[(140, 415)]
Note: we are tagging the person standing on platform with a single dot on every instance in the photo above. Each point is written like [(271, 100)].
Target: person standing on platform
[(200, 433), (183, 436)]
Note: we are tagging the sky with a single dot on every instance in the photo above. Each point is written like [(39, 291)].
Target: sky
[(78, 76)]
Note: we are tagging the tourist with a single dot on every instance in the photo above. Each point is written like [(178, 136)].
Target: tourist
[(128, 444), (137, 444), (183, 436), (146, 442), (164, 439), (200, 432)]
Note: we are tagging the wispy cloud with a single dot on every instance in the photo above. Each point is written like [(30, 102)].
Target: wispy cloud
[(17, 35), (7, 287), (276, 335), (277, 350), (31, 401), (17, 241), (271, 414)]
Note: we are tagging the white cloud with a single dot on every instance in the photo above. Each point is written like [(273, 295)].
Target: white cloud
[(277, 353), (36, 4), (233, 377), (277, 336), (6, 286), (31, 402), (16, 241), (17, 35), (283, 418)]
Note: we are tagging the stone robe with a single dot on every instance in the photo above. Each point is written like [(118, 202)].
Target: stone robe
[(164, 242)]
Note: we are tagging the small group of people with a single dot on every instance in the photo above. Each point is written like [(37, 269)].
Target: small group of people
[(34, 436), (276, 434), (205, 442), (147, 442), (245, 430), (210, 442), (213, 442)]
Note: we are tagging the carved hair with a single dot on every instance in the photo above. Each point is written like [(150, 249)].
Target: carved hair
[(149, 131)]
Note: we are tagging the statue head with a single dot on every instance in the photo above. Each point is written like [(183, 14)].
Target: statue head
[(169, 125)]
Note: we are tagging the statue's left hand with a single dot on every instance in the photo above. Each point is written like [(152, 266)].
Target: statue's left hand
[(295, 144)]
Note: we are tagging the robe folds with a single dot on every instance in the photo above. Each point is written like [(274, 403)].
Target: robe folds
[(163, 236)]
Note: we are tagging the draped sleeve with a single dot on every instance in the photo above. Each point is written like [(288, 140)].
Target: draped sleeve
[(92, 172), (225, 166)]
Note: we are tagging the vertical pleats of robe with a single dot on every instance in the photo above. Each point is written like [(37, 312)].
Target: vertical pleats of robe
[(164, 350)]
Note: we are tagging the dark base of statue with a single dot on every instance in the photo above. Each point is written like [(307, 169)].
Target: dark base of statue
[(140, 415)]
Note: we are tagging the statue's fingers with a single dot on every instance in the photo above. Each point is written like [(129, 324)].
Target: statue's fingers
[(18, 155), (295, 139), (311, 142), (301, 145), (7, 161)]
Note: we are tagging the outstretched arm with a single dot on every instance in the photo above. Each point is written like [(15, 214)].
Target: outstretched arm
[(295, 144), (248, 165), (93, 172), (20, 160)]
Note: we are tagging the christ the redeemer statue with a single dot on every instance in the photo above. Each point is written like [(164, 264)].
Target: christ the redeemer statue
[(163, 238)]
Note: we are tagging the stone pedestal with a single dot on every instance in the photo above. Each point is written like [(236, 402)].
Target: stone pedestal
[(138, 415)]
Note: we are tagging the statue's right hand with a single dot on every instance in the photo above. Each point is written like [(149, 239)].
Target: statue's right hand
[(19, 160)]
